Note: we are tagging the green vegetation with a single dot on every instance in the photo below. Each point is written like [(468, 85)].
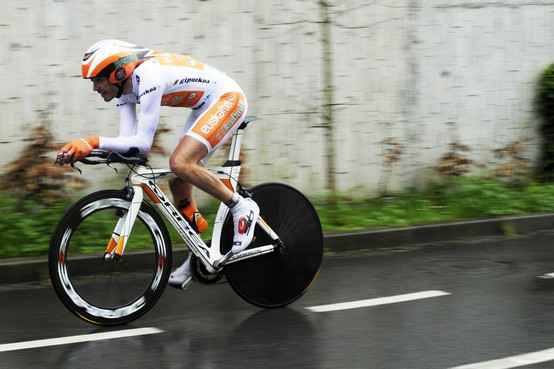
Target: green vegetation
[(449, 200), (27, 226), (544, 105)]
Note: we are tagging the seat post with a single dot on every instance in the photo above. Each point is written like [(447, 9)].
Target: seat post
[(236, 142)]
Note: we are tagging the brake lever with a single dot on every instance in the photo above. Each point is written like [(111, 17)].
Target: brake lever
[(114, 168), (77, 169)]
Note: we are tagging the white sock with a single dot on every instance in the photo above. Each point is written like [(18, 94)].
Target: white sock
[(237, 203), (235, 199)]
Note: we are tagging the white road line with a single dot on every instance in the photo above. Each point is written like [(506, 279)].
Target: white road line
[(377, 301), (547, 276), (513, 361), (76, 339)]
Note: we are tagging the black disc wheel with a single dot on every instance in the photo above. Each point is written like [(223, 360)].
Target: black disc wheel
[(282, 276), (109, 292)]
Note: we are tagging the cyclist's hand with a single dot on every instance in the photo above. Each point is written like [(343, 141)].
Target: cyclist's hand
[(76, 149)]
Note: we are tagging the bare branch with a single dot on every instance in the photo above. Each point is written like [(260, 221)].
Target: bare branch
[(366, 26)]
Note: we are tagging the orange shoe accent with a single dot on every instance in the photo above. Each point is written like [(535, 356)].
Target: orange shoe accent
[(193, 216), (201, 222)]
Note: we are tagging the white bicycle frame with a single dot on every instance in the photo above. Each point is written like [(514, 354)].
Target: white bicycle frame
[(144, 181)]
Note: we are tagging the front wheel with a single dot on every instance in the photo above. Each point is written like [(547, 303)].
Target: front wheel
[(280, 277), (109, 292)]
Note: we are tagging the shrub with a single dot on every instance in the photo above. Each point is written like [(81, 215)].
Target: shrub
[(545, 108)]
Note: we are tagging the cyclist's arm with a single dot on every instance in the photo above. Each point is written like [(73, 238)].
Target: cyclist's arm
[(133, 134), (128, 119)]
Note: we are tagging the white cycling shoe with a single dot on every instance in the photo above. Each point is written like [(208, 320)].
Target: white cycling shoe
[(245, 216), (181, 277)]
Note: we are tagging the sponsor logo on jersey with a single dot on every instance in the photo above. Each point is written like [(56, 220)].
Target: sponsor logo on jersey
[(222, 110), (234, 117), (189, 80), (147, 91), (202, 104)]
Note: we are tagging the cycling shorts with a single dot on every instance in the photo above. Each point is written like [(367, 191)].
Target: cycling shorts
[(217, 121)]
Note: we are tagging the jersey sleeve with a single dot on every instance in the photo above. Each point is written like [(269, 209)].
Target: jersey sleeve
[(128, 119), (138, 134)]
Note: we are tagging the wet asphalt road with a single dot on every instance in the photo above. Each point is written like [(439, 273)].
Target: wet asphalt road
[(496, 308)]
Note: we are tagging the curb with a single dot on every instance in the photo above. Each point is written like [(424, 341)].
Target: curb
[(441, 232), (13, 272)]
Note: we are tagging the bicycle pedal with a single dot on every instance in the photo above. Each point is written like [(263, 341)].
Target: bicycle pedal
[(182, 286), (186, 283)]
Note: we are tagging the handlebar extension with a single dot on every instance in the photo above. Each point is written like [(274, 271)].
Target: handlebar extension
[(109, 157)]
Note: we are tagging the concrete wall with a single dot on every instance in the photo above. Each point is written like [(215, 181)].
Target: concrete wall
[(415, 73)]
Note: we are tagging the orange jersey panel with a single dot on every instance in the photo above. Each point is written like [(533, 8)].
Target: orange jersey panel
[(183, 99), (220, 118), (179, 60)]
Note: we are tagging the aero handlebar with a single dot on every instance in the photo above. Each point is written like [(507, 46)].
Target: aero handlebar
[(109, 157)]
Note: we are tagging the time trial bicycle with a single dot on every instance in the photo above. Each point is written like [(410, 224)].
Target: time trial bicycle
[(107, 275)]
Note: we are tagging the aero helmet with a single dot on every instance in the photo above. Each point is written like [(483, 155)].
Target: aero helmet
[(114, 60)]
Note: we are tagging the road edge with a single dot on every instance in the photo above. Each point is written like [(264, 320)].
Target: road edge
[(24, 271)]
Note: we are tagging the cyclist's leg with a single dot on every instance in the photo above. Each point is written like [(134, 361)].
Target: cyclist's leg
[(213, 127), (181, 276), (180, 189), (185, 162)]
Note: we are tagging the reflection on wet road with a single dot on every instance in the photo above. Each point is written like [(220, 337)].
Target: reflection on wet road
[(431, 306)]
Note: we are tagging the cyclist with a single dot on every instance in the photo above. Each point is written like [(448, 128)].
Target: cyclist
[(137, 75)]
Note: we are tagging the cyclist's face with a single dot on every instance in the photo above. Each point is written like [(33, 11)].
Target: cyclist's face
[(104, 88)]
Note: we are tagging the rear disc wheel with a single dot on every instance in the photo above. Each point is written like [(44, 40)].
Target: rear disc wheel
[(280, 277)]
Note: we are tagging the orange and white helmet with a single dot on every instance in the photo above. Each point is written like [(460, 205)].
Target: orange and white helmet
[(113, 59)]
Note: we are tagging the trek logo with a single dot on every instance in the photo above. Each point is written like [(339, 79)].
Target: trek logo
[(222, 110)]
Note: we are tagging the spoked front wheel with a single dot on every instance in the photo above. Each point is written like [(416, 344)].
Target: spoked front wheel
[(109, 292), (280, 277)]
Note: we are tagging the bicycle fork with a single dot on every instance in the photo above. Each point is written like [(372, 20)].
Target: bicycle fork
[(123, 228)]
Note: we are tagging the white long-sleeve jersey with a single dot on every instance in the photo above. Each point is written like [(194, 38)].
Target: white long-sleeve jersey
[(164, 80)]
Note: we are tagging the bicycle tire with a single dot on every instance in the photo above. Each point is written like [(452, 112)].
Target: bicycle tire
[(281, 277), (105, 292)]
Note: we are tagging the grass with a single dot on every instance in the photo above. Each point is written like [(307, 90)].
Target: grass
[(457, 199), (27, 227)]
